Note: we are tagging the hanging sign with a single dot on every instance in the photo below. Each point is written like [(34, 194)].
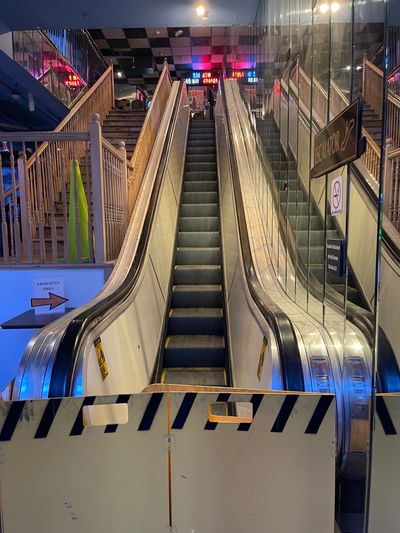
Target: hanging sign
[(337, 196), (335, 255), (339, 142)]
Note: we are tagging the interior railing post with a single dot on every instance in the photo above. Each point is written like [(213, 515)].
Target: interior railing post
[(96, 156), (124, 183), (25, 207)]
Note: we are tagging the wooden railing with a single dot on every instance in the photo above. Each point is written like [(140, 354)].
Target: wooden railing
[(391, 186), (373, 86), (72, 199), (140, 157)]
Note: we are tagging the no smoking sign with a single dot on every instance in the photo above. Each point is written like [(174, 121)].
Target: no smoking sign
[(337, 196)]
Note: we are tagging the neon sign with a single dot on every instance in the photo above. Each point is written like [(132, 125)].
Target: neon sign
[(72, 81), (202, 78), (248, 76)]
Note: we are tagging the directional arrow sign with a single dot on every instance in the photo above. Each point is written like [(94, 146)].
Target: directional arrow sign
[(54, 300)]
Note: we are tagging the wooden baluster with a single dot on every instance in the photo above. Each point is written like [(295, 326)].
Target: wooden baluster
[(64, 181), (98, 189), (53, 225), (4, 227), (14, 216), (25, 205), (39, 183), (88, 191), (124, 185)]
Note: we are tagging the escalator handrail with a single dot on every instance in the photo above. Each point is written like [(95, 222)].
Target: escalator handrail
[(290, 358), (69, 346)]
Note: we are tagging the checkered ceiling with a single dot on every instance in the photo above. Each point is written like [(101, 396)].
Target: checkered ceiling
[(138, 53)]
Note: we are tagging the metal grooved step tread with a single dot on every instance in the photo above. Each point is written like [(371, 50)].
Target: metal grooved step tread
[(212, 377), (195, 347)]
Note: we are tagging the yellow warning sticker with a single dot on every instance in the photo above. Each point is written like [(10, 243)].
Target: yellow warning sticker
[(261, 360), (101, 358)]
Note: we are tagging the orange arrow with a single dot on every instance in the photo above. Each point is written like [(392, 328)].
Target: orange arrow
[(54, 300)]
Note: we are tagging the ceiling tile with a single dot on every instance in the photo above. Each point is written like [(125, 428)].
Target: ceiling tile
[(154, 33), (218, 40), (204, 31), (135, 33), (160, 42), (162, 52), (114, 33), (201, 41), (138, 43), (118, 43), (218, 30), (101, 43), (185, 51), (180, 41), (201, 50), (182, 60)]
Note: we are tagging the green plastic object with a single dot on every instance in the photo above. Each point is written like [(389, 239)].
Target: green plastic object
[(78, 212)]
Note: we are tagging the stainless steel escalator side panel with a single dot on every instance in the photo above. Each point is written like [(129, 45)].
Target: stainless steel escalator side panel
[(347, 374), (32, 380)]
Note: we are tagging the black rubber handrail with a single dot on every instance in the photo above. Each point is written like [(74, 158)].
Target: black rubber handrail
[(69, 347), (289, 354)]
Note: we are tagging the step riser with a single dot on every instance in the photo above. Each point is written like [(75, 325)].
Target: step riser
[(199, 198), (202, 239), (197, 277), (200, 167), (199, 224), (195, 326), (200, 186), (194, 358), (199, 210), (200, 176), (198, 256), (196, 299)]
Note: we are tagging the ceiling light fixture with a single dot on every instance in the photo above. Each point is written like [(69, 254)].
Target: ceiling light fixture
[(202, 11), (335, 6), (178, 33), (119, 74), (324, 8)]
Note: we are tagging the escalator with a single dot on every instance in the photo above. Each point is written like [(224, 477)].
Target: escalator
[(195, 350), (308, 227)]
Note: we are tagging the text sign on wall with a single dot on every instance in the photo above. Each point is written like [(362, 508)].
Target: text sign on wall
[(48, 296), (339, 142), (337, 196), (335, 252)]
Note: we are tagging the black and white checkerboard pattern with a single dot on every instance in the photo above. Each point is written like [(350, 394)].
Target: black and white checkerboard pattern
[(138, 53)]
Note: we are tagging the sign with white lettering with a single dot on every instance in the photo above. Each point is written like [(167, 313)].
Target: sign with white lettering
[(48, 296), (335, 252), (339, 142), (337, 196)]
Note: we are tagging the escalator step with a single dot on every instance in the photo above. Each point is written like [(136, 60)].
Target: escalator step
[(199, 210), (200, 186), (190, 296), (200, 197), (201, 150), (201, 158), (198, 238), (197, 274), (196, 321), (198, 256), (194, 351), (188, 224), (211, 377), (200, 175), (200, 166)]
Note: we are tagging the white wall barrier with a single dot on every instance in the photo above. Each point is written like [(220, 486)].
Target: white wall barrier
[(168, 461)]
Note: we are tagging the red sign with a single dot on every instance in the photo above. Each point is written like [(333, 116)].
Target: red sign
[(210, 81), (277, 87), (237, 74), (72, 81)]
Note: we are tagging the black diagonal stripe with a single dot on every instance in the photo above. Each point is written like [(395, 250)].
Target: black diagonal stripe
[(150, 412), (256, 399), (284, 413), (384, 416), (77, 428), (11, 420), (221, 398), (122, 398), (319, 414), (184, 410), (47, 418)]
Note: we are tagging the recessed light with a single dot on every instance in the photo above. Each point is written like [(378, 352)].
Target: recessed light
[(178, 33), (158, 32), (119, 74)]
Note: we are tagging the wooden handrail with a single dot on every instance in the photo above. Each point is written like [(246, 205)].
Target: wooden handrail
[(373, 67)]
